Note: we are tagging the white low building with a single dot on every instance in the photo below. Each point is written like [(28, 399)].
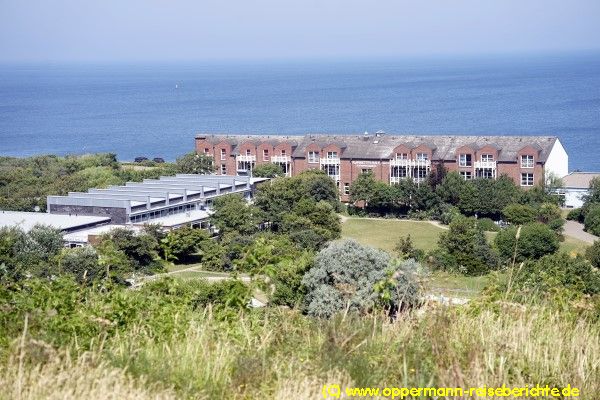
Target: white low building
[(575, 186)]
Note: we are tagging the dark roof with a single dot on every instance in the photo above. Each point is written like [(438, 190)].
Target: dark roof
[(373, 147)]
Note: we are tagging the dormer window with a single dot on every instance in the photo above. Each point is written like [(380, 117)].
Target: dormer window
[(487, 157), (332, 154), (248, 152), (223, 154), (401, 156), (465, 160), (265, 155), (313, 157), (283, 152), (527, 161), (422, 156)]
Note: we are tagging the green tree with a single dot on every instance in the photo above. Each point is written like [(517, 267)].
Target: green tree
[(270, 170), (591, 221), (183, 243), (464, 248), (488, 197), (364, 188), (451, 187), (129, 252), (519, 214), (193, 163), (535, 241), (232, 213)]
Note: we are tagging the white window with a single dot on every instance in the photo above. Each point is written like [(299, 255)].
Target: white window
[(527, 161), (332, 169), (283, 153), (265, 155), (401, 156), (332, 154), (248, 152), (464, 160), (466, 175), (346, 188), (420, 173), (223, 169), (487, 157), (422, 156), (526, 179), (399, 172), (366, 171), (313, 157), (206, 150), (223, 154)]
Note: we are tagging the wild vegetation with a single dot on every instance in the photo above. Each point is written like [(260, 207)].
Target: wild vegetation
[(337, 311)]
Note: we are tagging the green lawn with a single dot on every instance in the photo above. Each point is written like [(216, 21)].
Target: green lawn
[(384, 233)]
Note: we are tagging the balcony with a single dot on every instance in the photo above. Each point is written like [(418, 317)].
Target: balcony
[(245, 158), (404, 162), (280, 159), (485, 164), (330, 161)]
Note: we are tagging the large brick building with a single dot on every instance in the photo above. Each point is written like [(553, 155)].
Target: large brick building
[(526, 159)]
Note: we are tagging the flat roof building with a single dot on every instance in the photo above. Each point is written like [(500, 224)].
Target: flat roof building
[(174, 201), (390, 158), (66, 223)]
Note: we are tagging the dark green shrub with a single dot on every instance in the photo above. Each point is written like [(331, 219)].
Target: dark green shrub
[(592, 253), (592, 220), (487, 224), (575, 215), (535, 240), (464, 249), (519, 214)]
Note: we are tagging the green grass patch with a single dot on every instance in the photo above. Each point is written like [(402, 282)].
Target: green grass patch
[(572, 245), (384, 233)]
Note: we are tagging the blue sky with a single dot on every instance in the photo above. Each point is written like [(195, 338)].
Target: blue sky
[(190, 30)]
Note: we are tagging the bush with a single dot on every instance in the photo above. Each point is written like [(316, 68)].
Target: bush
[(82, 263), (519, 214), (592, 220), (464, 249), (405, 248), (345, 275), (535, 240), (575, 215), (487, 224), (556, 273), (592, 253)]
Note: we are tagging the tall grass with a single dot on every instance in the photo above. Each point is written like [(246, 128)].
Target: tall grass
[(285, 355)]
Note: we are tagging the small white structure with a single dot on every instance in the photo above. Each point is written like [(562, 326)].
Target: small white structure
[(575, 186)]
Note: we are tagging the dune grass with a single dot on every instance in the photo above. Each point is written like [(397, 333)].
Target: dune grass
[(275, 354)]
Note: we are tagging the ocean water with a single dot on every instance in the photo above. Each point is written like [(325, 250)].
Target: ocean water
[(155, 110)]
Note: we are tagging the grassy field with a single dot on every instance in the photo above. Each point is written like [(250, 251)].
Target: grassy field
[(384, 233)]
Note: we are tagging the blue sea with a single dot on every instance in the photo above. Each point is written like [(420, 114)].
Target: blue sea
[(155, 110)]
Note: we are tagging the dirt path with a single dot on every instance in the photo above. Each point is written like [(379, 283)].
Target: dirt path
[(575, 230)]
